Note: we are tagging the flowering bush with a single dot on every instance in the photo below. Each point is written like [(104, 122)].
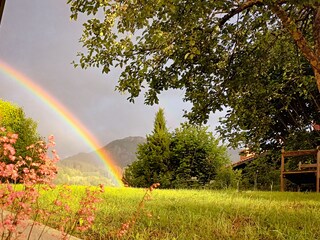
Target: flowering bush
[(35, 168), (36, 171), (80, 215)]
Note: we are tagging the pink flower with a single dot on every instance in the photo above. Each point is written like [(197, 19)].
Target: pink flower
[(31, 146), (67, 208), (51, 138), (14, 175), (57, 203), (90, 219), (35, 168)]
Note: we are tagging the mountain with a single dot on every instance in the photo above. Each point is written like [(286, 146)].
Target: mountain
[(121, 151)]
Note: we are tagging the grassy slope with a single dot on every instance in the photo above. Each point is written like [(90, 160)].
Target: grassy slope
[(191, 214)]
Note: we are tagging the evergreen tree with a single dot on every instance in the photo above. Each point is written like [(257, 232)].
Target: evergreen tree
[(152, 157)]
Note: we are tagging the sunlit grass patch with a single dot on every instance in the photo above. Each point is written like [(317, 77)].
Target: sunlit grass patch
[(203, 214)]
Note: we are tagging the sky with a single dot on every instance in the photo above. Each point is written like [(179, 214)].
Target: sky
[(38, 39)]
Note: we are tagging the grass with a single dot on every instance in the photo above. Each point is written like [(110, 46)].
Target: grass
[(204, 214)]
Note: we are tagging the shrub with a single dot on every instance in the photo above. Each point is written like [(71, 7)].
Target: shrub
[(19, 202)]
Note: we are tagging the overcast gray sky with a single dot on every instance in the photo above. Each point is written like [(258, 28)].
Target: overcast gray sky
[(38, 39)]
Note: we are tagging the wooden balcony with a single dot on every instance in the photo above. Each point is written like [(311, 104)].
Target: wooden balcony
[(306, 173)]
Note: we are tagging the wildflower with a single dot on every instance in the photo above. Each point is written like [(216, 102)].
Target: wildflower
[(101, 188), (124, 229), (12, 157), (57, 203), (31, 146), (32, 170), (51, 138), (67, 208), (90, 219), (154, 186)]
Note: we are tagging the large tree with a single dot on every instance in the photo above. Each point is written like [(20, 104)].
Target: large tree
[(258, 58), (13, 118)]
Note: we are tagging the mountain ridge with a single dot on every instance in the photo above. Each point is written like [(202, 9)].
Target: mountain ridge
[(121, 151)]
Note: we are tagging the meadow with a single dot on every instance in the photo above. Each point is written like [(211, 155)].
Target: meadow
[(199, 214), (128, 213)]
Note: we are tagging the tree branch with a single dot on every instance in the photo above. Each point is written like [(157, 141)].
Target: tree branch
[(298, 38), (316, 30), (244, 6)]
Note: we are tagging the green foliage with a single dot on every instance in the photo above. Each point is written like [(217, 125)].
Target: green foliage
[(262, 174), (240, 55), (226, 178), (188, 157), (281, 101), (14, 120), (195, 156)]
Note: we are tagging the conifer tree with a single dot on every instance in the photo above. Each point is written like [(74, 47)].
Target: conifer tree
[(152, 157)]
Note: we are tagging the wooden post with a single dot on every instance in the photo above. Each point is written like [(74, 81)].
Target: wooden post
[(282, 171), (318, 169)]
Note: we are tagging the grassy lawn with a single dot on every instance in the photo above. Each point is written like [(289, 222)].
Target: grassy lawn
[(202, 214)]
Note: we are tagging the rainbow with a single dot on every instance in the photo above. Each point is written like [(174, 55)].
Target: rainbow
[(67, 117)]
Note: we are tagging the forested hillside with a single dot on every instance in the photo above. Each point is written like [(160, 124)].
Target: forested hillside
[(88, 167)]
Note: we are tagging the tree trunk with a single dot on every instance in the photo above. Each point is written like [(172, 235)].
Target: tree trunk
[(316, 36), (317, 76)]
